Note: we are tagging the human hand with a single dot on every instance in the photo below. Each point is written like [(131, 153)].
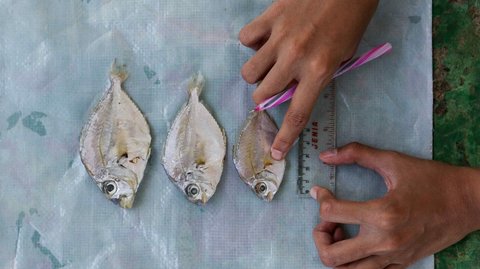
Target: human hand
[(428, 206), (302, 41)]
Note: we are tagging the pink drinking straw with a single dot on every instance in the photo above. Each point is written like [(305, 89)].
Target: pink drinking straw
[(344, 68)]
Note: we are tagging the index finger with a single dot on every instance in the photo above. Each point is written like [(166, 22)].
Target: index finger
[(296, 118)]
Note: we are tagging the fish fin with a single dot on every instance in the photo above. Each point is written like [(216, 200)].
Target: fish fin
[(196, 83), (118, 72)]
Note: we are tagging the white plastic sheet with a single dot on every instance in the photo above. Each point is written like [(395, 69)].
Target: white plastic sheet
[(54, 60)]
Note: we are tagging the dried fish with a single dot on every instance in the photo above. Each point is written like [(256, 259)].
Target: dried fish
[(195, 148), (251, 156), (115, 143)]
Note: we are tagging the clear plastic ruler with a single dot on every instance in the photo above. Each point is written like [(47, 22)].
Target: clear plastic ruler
[(318, 135)]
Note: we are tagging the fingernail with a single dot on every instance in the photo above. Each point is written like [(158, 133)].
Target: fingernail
[(313, 192), (277, 154), (329, 153)]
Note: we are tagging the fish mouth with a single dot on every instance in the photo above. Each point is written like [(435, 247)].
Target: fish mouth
[(204, 199), (269, 197), (124, 201)]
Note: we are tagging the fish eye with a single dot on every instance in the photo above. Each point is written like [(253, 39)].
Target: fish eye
[(261, 188), (192, 190), (110, 187)]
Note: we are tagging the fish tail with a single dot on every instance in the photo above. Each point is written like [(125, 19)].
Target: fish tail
[(196, 83), (118, 72)]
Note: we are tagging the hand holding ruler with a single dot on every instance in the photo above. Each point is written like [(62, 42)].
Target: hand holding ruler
[(320, 132)]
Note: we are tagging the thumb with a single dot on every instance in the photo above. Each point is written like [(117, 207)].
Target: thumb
[(355, 153), (341, 211), (320, 194)]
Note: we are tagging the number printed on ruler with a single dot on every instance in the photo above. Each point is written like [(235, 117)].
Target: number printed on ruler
[(318, 135)]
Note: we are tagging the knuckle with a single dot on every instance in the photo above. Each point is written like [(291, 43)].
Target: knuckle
[(387, 221), (277, 9), (280, 34), (297, 119), (319, 68), (327, 258), (296, 49), (281, 142), (248, 72), (245, 36), (258, 97), (354, 146), (352, 149), (391, 217), (393, 244), (325, 209)]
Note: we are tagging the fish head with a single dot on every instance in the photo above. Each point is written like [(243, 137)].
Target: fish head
[(120, 189), (265, 185), (197, 188)]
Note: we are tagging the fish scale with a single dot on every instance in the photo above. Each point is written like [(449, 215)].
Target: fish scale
[(318, 135)]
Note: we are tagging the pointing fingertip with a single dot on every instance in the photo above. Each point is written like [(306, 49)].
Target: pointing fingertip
[(277, 154), (314, 192), (279, 148)]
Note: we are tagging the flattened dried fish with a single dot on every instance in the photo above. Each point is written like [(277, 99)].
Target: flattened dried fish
[(251, 156), (115, 143), (195, 148)]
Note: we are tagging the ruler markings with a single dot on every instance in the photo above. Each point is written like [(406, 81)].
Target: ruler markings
[(318, 135)]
